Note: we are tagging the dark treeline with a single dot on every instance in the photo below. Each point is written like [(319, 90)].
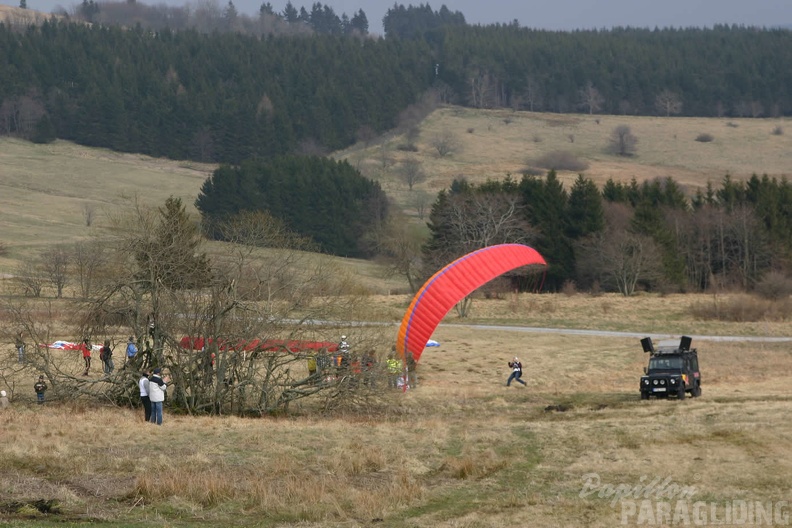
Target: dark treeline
[(185, 95), (725, 71), (625, 236), (209, 17), (326, 201), (228, 97)]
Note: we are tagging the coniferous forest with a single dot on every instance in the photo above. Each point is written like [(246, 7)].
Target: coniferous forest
[(257, 100), (228, 96)]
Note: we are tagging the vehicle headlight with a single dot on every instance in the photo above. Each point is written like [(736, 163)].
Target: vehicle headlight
[(662, 382), (673, 381), (646, 382), (654, 382)]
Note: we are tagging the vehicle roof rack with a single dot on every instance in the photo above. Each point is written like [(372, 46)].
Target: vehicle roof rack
[(667, 346)]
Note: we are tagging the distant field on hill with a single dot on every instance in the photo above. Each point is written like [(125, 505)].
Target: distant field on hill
[(494, 143), (23, 17), (45, 190)]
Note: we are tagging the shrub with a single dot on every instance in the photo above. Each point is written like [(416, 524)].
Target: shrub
[(407, 147), (3, 249), (569, 288), (622, 141), (732, 124), (471, 130), (705, 138), (742, 309), (778, 131), (532, 171), (561, 160), (774, 285)]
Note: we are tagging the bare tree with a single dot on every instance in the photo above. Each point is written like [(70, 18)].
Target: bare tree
[(757, 109), (474, 220), (55, 263), (590, 98), (245, 305), (742, 109), (445, 143), (203, 145), (419, 201), (89, 211), (384, 157), (668, 103), (30, 278), (311, 147), (399, 248), (411, 173), (415, 113), (617, 257), (622, 141), (482, 89), (90, 259), (30, 110), (532, 95), (365, 134)]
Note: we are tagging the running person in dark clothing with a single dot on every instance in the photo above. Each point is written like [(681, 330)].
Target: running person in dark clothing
[(516, 373)]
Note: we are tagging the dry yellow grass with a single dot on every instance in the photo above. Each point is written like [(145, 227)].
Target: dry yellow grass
[(16, 16), (666, 147), (462, 450), (45, 190)]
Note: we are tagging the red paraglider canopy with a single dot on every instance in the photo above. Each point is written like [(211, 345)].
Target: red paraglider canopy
[(451, 284)]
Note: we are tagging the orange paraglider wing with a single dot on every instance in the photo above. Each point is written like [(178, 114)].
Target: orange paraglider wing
[(452, 284)]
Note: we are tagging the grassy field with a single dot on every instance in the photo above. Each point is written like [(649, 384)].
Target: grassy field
[(46, 190), (462, 450), (494, 143)]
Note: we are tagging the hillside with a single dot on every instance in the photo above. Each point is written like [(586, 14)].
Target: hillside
[(45, 190), (494, 143), (16, 16)]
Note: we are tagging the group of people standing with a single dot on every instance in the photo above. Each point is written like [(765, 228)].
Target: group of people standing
[(105, 355), (152, 394)]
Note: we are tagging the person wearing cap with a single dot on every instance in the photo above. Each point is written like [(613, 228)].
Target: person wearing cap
[(40, 387), (516, 372), (156, 393), (4, 403)]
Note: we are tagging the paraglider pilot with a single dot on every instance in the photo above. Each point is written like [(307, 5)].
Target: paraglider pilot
[(516, 373)]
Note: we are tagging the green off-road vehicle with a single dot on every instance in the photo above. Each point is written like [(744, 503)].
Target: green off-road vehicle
[(673, 370)]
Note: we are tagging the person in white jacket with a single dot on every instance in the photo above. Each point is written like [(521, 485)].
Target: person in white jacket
[(156, 393), (143, 384)]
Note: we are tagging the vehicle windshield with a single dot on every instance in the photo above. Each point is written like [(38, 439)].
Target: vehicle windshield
[(665, 363)]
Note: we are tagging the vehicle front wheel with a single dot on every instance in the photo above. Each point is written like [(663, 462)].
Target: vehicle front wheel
[(681, 393), (644, 395)]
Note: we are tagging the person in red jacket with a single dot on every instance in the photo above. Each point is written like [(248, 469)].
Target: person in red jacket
[(85, 347)]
